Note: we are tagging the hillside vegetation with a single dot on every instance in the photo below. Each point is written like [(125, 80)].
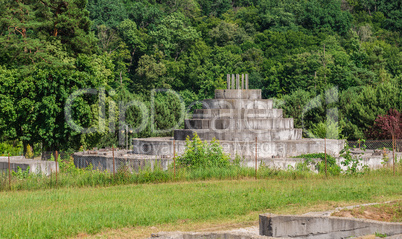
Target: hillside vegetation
[(292, 50)]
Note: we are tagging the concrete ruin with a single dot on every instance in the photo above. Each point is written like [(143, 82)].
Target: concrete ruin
[(237, 118), (312, 225), (241, 120), (34, 166), (321, 227)]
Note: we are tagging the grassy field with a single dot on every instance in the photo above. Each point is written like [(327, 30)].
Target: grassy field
[(66, 212)]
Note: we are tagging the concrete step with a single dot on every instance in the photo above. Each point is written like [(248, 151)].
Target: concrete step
[(237, 113), (240, 124), (237, 104), (242, 135), (238, 94)]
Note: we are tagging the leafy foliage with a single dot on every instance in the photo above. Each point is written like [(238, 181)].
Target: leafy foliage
[(292, 50), (332, 167), (388, 126), (199, 154)]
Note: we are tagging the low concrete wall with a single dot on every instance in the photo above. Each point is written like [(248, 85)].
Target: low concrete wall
[(104, 161), (35, 166), (323, 227), (265, 149)]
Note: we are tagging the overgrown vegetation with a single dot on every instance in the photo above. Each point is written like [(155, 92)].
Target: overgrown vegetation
[(332, 167), (292, 50), (199, 154)]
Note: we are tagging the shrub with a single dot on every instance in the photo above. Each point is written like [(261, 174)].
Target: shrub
[(29, 154), (199, 154), (332, 168)]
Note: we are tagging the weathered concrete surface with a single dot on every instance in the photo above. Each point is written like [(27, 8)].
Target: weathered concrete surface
[(240, 135), (237, 104), (238, 94), (371, 161), (265, 149), (240, 124), (35, 166), (104, 161), (237, 113), (323, 227)]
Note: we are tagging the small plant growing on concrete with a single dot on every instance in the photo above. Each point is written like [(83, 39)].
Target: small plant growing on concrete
[(29, 154), (385, 157)]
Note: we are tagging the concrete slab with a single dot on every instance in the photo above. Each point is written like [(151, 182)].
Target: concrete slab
[(319, 227)]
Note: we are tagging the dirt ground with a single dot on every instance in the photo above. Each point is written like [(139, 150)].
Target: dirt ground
[(388, 212)]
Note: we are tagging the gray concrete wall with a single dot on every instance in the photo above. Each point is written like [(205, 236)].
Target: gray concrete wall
[(323, 227), (237, 104), (104, 162), (240, 124), (35, 166), (237, 113), (265, 149), (238, 94), (240, 135)]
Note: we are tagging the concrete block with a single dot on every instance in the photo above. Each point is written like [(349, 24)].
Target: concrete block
[(35, 166), (123, 159), (237, 113), (238, 94), (323, 227)]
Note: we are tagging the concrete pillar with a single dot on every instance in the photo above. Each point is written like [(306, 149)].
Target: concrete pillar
[(246, 81), (237, 81), (242, 81), (233, 82), (228, 81)]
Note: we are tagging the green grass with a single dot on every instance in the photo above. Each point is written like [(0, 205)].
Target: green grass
[(58, 213), (83, 177)]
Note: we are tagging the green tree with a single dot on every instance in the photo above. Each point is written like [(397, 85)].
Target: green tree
[(107, 12)]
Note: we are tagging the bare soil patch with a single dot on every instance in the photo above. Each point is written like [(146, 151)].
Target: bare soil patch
[(388, 212)]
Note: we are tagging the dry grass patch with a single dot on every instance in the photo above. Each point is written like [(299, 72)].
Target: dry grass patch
[(388, 212)]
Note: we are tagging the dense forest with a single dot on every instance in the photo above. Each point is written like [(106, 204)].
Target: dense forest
[(294, 50)]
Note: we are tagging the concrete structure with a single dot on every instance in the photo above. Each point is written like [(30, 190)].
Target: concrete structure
[(320, 227), (35, 166), (237, 117), (103, 160)]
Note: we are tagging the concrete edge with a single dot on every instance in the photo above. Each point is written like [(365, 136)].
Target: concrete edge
[(302, 226)]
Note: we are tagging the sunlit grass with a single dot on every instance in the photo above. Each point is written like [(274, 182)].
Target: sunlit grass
[(63, 212)]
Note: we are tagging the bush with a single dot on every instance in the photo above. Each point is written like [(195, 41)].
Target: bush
[(332, 168), (8, 147), (199, 154), (29, 154)]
